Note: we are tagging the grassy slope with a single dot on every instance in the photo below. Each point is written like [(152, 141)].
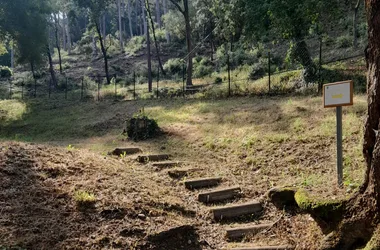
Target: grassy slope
[(256, 143)]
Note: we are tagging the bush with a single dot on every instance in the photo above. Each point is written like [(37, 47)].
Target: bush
[(135, 44), (344, 41), (173, 66), (257, 72), (141, 127), (202, 67), (5, 72), (218, 80)]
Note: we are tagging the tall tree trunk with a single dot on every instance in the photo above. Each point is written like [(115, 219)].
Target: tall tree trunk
[(129, 18), (120, 26), (67, 30), (12, 57), (154, 37), (57, 43), (167, 35), (150, 81), (361, 219), (63, 32), (158, 14), (185, 13), (355, 24), (143, 14), (51, 67), (104, 52), (189, 80)]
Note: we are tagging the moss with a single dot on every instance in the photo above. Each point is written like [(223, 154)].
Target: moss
[(329, 211)]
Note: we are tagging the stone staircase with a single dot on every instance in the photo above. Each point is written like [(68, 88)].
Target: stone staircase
[(217, 194)]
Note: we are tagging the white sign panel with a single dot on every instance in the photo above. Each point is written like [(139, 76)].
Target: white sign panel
[(338, 94)]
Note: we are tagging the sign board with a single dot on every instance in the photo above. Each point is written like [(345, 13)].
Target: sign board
[(338, 94)]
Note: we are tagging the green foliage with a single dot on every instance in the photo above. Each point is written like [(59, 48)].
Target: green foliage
[(135, 44), (218, 80), (5, 72), (84, 199), (202, 67), (344, 41), (257, 71), (174, 66), (140, 127)]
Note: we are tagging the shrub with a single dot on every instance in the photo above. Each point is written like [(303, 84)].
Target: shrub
[(5, 72), (66, 65), (257, 72), (135, 44), (344, 41), (173, 66), (141, 127), (202, 67), (218, 80)]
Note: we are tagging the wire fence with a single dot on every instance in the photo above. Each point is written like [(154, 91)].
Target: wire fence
[(281, 69)]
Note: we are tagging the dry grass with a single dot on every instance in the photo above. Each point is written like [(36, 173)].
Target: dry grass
[(256, 143)]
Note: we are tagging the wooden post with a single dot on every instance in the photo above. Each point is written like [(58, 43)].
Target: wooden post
[(115, 86), (22, 90), (35, 88), (134, 85), (183, 80), (158, 78), (269, 71), (98, 88), (81, 91)]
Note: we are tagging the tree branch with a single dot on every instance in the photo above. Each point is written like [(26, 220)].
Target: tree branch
[(177, 6)]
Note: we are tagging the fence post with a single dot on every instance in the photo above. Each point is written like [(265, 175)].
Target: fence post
[(229, 74), (158, 78), (115, 86), (22, 90), (134, 85), (98, 88), (269, 73), (183, 80), (81, 90), (66, 88), (320, 67)]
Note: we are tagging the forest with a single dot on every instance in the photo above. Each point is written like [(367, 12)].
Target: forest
[(189, 124)]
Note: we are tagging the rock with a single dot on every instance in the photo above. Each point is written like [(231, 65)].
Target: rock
[(282, 197), (141, 216)]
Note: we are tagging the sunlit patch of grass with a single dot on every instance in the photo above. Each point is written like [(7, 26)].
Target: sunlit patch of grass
[(84, 199), (11, 110)]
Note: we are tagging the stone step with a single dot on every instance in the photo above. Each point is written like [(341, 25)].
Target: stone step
[(167, 164), (125, 151), (180, 173), (150, 158), (219, 194), (285, 247), (202, 183), (232, 211), (240, 232)]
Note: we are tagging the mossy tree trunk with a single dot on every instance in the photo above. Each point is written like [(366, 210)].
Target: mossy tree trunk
[(361, 218)]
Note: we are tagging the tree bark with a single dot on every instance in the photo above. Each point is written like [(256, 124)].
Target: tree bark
[(355, 24), (130, 19), (67, 30), (150, 81), (165, 5), (63, 33), (302, 55), (154, 37), (158, 14), (185, 13), (120, 26), (143, 14), (57, 43), (51, 67), (12, 57), (104, 52), (361, 218)]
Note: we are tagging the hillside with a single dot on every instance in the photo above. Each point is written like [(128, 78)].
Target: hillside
[(256, 143)]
